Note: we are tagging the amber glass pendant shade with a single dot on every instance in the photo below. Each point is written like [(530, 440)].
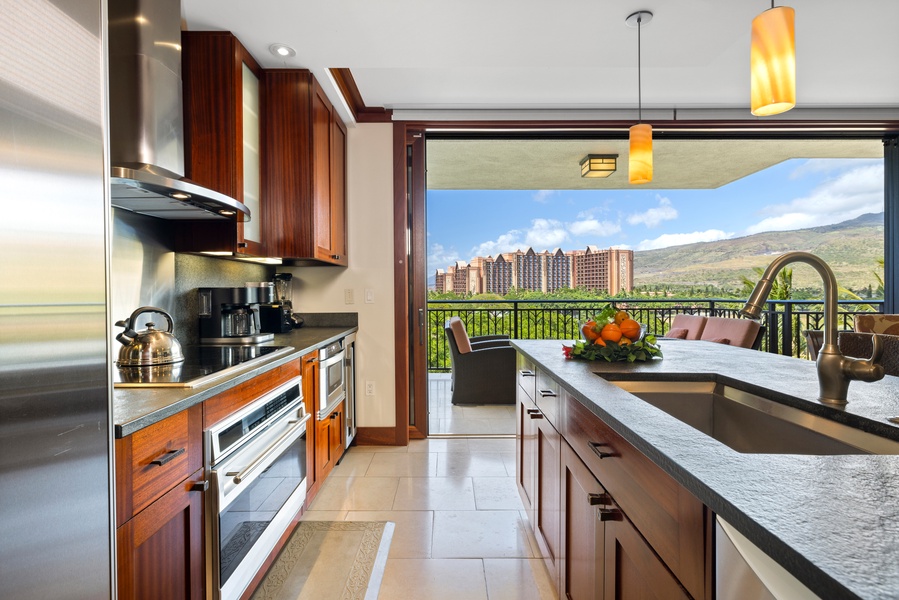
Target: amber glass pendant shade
[(773, 62), (639, 168)]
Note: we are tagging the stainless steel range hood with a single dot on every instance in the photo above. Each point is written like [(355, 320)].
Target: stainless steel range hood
[(146, 122)]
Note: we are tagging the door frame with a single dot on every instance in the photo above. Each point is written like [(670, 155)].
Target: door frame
[(886, 130)]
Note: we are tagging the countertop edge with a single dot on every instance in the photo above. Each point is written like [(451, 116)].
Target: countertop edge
[(192, 396)]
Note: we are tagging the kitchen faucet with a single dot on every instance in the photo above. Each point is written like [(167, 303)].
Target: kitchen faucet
[(835, 371)]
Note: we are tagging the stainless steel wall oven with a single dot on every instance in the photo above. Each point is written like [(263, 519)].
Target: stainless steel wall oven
[(257, 471), (332, 377)]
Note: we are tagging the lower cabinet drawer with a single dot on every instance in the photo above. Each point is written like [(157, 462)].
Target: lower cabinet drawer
[(671, 519), (153, 460), (526, 374)]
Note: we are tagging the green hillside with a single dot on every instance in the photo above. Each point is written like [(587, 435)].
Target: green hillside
[(851, 248)]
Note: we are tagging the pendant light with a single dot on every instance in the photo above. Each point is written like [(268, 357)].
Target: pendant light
[(639, 164), (773, 61)]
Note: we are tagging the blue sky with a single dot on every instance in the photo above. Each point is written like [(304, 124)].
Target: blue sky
[(795, 194)]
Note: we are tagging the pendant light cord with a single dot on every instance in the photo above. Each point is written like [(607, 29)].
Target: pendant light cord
[(639, 72)]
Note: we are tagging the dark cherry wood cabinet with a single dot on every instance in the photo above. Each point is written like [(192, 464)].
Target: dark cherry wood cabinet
[(609, 522), (160, 551), (223, 117), (159, 509), (304, 170)]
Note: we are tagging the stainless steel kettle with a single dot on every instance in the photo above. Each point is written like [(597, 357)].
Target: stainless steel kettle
[(151, 346)]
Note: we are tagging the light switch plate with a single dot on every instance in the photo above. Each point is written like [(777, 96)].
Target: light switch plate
[(369, 296)]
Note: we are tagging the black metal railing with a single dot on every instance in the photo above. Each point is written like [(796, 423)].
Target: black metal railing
[(784, 320)]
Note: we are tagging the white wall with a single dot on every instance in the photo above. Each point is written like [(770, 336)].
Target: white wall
[(370, 252)]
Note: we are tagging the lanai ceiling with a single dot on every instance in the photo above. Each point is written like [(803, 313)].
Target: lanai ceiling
[(529, 59)]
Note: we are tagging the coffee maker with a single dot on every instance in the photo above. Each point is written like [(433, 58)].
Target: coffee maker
[(278, 317), (231, 315)]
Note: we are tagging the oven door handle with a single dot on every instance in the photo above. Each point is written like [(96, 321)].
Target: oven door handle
[(262, 458)]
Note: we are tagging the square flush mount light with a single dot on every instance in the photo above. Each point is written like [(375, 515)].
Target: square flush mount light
[(599, 165)]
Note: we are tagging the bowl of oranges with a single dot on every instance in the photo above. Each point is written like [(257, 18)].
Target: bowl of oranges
[(612, 335)]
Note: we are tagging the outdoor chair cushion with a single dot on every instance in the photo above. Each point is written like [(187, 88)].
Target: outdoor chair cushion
[(694, 325), (677, 332), (738, 332), (460, 335), (888, 324)]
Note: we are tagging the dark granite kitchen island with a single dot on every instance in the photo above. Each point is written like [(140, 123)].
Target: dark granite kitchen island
[(832, 521)]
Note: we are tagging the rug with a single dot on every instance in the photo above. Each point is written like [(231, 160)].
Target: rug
[(329, 559)]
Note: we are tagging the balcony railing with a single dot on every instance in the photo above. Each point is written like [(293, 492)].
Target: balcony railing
[(561, 319)]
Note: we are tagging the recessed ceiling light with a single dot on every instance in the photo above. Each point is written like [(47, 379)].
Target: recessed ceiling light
[(282, 50), (180, 195)]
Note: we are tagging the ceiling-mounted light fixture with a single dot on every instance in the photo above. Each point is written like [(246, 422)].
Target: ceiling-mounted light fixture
[(639, 163), (598, 165), (773, 61), (282, 50)]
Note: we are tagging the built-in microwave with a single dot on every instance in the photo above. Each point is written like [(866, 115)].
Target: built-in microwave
[(332, 378)]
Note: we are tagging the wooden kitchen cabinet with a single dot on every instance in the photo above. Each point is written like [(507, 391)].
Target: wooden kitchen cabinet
[(609, 522), (223, 118), (160, 551), (159, 509), (310, 371), (304, 170)]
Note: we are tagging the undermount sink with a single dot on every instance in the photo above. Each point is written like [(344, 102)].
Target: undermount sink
[(751, 423)]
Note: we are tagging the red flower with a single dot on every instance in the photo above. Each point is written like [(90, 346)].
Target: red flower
[(566, 350)]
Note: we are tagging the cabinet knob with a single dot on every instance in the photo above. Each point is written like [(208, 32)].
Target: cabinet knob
[(595, 446), (608, 514), (333, 415), (335, 256), (199, 486), (598, 499)]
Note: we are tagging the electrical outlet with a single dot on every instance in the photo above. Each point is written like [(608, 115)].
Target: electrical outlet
[(348, 296), (369, 296), (369, 388)]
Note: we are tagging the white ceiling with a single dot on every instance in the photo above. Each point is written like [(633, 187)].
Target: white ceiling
[(566, 55)]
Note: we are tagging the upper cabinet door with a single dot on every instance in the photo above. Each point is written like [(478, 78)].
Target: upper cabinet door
[(223, 111)]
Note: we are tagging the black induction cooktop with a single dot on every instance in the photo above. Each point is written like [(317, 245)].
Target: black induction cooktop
[(202, 364)]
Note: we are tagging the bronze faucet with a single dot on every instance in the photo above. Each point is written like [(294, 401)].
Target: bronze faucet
[(835, 371)]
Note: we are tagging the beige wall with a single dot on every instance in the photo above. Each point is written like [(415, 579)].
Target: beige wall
[(370, 252)]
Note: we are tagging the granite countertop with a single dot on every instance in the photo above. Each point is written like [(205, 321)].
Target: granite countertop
[(136, 408), (832, 521)]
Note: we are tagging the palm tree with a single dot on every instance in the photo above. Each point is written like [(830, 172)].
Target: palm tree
[(781, 287)]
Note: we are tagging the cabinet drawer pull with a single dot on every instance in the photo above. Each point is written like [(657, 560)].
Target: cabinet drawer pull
[(597, 499), (200, 486), (547, 393), (535, 413), (526, 373), (608, 514), (335, 256), (595, 446), (333, 415), (167, 457), (241, 244)]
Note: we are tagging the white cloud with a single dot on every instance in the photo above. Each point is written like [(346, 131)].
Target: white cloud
[(440, 258), (852, 193), (593, 227), (654, 216), (507, 242), (542, 196), (679, 239), (546, 234)]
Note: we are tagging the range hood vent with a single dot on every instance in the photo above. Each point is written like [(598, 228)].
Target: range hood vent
[(145, 116)]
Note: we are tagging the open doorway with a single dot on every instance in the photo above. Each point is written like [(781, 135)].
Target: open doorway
[(469, 176)]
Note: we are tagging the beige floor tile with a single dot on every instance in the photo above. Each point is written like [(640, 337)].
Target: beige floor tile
[(496, 493), (353, 463), (439, 445), (518, 579), (434, 493), (430, 579), (412, 534), (492, 445), (471, 464), (509, 461), (356, 493), (490, 411), (324, 515), (480, 534), (408, 464), (379, 448)]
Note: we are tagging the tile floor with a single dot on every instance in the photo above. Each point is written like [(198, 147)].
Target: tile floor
[(461, 531), (447, 418)]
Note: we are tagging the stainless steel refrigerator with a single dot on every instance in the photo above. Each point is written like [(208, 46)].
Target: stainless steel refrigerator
[(55, 433)]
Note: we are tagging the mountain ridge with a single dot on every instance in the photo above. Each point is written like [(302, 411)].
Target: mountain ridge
[(851, 248)]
